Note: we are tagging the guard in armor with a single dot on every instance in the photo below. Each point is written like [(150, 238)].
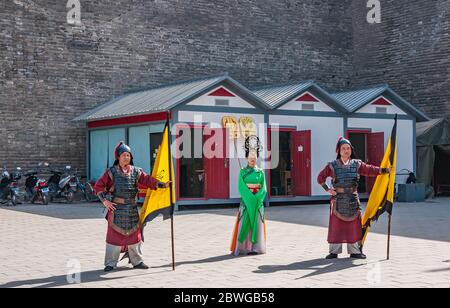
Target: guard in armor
[(121, 182), (345, 211)]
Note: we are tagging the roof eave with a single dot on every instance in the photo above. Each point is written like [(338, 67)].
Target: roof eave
[(312, 84), (221, 79), (338, 107), (249, 93), (384, 88), (419, 115), (115, 117)]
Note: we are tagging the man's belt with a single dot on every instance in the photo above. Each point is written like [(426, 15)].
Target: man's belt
[(118, 200), (350, 190)]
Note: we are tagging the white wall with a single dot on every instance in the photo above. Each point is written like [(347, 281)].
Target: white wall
[(325, 132), (405, 139), (297, 105), (392, 109), (214, 120), (235, 102)]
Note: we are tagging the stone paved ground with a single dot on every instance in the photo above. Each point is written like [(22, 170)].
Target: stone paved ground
[(40, 245)]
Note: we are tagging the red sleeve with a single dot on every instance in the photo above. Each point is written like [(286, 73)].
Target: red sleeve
[(147, 181), (103, 184), (368, 170), (324, 174)]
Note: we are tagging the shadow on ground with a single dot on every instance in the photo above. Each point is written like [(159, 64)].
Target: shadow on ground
[(216, 259), (317, 266), (86, 277), (428, 220), (62, 211)]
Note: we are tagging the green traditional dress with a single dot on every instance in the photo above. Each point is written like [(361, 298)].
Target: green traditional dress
[(250, 229)]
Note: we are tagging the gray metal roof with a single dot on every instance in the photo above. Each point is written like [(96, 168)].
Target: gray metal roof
[(169, 96), (354, 100), (277, 95), (162, 99)]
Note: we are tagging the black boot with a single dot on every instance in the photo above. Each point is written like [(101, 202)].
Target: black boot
[(108, 269), (360, 256), (332, 256), (142, 266)]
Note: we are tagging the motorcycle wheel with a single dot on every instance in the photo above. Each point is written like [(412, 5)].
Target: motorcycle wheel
[(87, 197), (44, 199), (69, 197), (14, 200), (89, 193)]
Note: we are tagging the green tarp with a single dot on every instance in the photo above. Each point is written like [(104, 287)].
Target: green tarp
[(433, 151)]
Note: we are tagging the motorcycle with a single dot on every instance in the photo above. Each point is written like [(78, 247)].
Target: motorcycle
[(36, 189), (62, 187), (9, 188), (85, 187)]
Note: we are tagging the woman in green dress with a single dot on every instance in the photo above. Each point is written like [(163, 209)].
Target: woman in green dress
[(249, 236)]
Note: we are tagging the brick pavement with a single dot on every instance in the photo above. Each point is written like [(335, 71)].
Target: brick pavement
[(39, 243)]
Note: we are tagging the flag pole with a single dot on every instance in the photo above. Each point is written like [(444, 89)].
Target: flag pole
[(392, 157), (389, 237), (171, 190)]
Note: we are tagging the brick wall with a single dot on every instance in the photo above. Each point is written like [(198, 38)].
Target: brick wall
[(410, 50), (51, 72)]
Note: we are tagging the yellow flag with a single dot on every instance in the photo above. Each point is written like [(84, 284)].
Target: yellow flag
[(382, 196), (159, 202)]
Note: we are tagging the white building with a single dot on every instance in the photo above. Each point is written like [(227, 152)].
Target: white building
[(307, 120)]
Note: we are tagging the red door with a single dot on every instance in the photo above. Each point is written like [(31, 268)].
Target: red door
[(301, 163), (375, 153), (216, 164)]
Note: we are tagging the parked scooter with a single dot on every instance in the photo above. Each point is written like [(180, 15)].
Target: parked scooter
[(9, 188), (36, 190), (15, 190), (61, 188)]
